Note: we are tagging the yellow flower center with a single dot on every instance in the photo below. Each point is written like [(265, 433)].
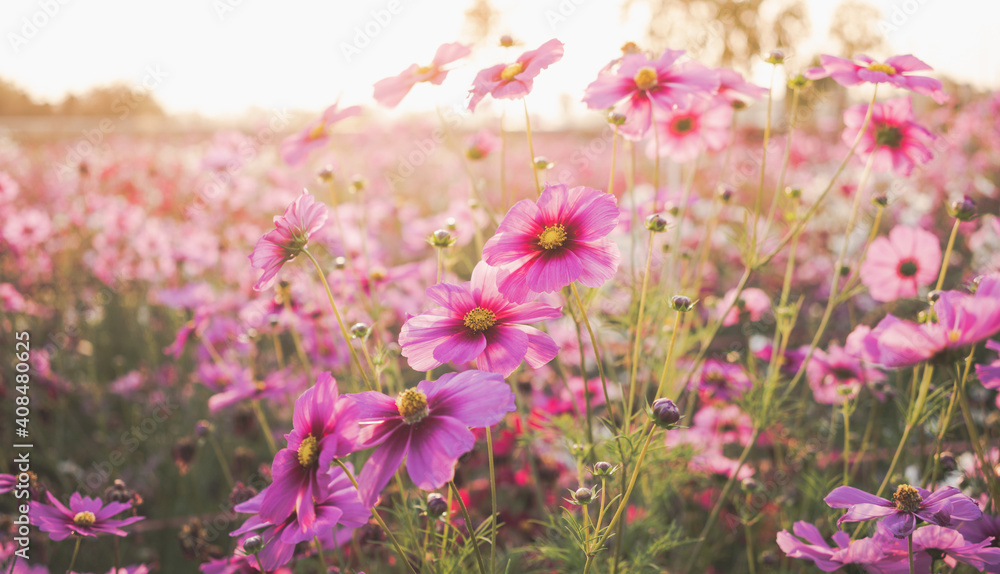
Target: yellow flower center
[(552, 237), (479, 319), (308, 451), (885, 68), (317, 132), (646, 78), (424, 70), (412, 405), (85, 518), (907, 499), (954, 335), (512, 70)]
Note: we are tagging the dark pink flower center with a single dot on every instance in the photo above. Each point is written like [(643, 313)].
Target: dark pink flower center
[(683, 125), (907, 268), (479, 319)]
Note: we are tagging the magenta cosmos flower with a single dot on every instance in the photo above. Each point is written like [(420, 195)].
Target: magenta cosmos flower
[(809, 544), (390, 91), (428, 426), (753, 301), (836, 376), (514, 81), (340, 507), (7, 482), (85, 517), (640, 84), (290, 235), (476, 323), (962, 320), (897, 141), (562, 238), (684, 133), (323, 427), (943, 507), (896, 267), (295, 148), (894, 71)]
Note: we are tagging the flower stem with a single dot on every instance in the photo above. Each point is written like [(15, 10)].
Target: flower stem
[(468, 526), (222, 462), (319, 555), (614, 155), (763, 160), (947, 254), (597, 355), (638, 332), (670, 353), (117, 559), (600, 513), (264, 427), (378, 518), (493, 496), (76, 549), (504, 192), (909, 552), (340, 321), (531, 146), (847, 442)]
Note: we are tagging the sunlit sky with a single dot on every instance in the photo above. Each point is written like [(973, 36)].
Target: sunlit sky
[(220, 57)]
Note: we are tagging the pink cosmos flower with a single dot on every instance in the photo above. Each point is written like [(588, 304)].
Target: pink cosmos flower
[(295, 148), (323, 427), (340, 507), (482, 144), (246, 388), (7, 482), (893, 71), (514, 81), (827, 558), (9, 189), (686, 132), (943, 507), (930, 542), (390, 91), (719, 381), (562, 238), (962, 319), (428, 426), (476, 323), (85, 517), (755, 302), (988, 375), (303, 217), (733, 88), (835, 375), (639, 84), (896, 267), (897, 141)]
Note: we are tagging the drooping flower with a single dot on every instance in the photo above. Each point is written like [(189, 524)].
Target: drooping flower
[(339, 507), (640, 84), (295, 148), (961, 320), (85, 517), (819, 552), (836, 376), (514, 81), (428, 426), (943, 507), (390, 91), (324, 426), (684, 133), (896, 267), (290, 235), (562, 238), (894, 71), (476, 323), (898, 142)]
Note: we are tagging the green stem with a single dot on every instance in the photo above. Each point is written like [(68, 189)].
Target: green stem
[(847, 442), (493, 497), (947, 254), (614, 155), (76, 550), (909, 552), (469, 527), (597, 355), (340, 321), (638, 333), (264, 427), (763, 161), (222, 462), (531, 146), (670, 353), (319, 555)]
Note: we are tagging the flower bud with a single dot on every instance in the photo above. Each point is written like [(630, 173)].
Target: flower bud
[(325, 174), (359, 330), (947, 461), (451, 224), (630, 48), (583, 495), (202, 428), (436, 505), (441, 239), (253, 545), (340, 262), (604, 469), (933, 296), (776, 57), (681, 303), (880, 199), (506, 41), (616, 118), (793, 192), (241, 493), (963, 209), (359, 183), (738, 105), (542, 163), (665, 413), (725, 193), (656, 223), (749, 485), (798, 81)]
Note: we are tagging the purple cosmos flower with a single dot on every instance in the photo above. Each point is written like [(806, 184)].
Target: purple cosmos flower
[(562, 238), (477, 323), (894, 71), (640, 84), (962, 320), (323, 427), (85, 517), (942, 507), (428, 426), (340, 506), (514, 81), (827, 558), (7, 482), (291, 233), (930, 542), (989, 375)]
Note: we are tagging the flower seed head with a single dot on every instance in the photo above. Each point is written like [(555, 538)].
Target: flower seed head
[(907, 499), (412, 405)]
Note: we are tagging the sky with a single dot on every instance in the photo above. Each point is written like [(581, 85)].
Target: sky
[(220, 57)]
